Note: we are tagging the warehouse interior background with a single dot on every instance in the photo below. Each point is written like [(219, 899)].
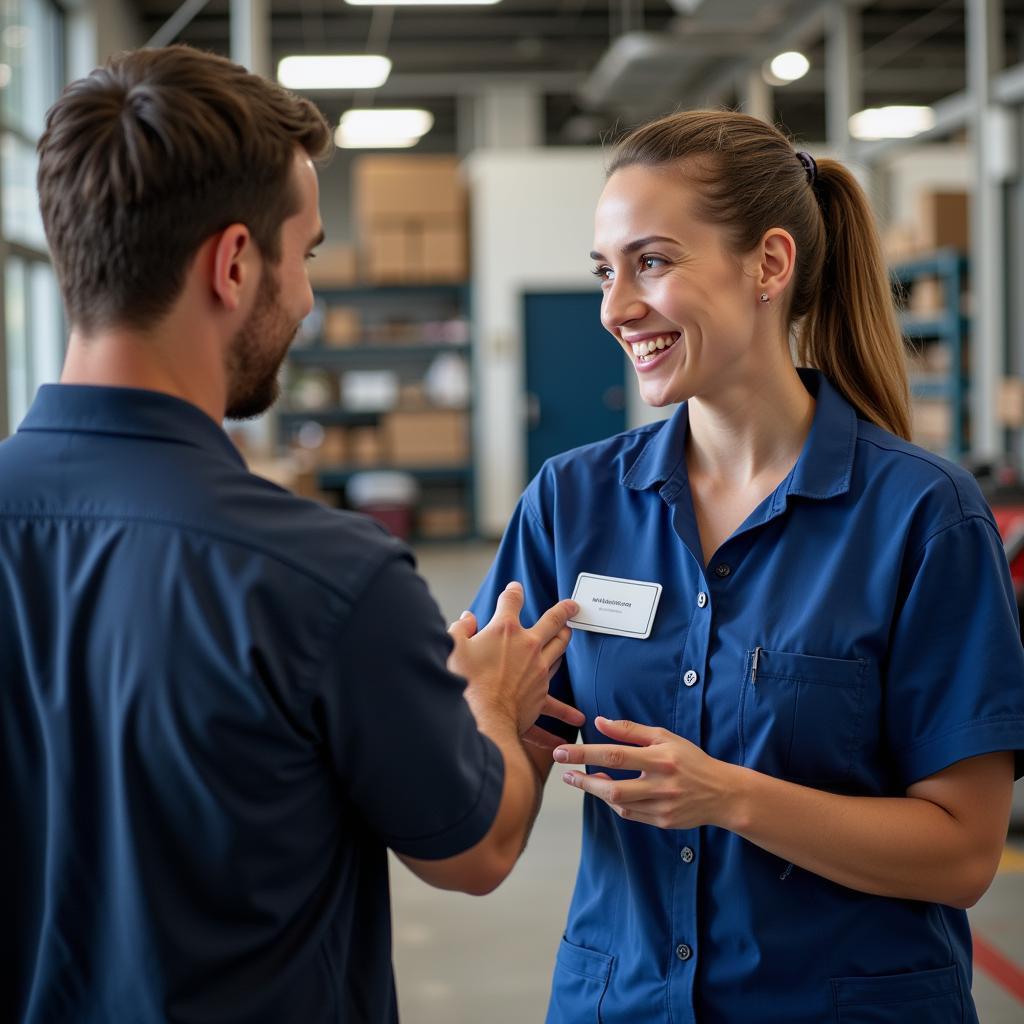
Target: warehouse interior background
[(455, 301)]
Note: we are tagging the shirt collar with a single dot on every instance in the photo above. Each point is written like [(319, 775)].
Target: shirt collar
[(126, 412), (823, 469)]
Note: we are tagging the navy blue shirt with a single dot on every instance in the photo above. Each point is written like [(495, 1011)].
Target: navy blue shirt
[(220, 705), (873, 587)]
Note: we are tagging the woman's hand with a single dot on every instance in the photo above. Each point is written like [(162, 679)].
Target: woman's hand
[(681, 786)]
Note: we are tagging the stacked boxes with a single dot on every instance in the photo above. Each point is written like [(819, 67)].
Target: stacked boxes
[(411, 217)]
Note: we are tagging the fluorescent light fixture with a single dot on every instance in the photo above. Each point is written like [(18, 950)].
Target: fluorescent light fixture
[(333, 72), (788, 67), (382, 129), (891, 122), (420, 3)]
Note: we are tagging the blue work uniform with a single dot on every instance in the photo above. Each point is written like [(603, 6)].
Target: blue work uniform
[(871, 584), (221, 704)]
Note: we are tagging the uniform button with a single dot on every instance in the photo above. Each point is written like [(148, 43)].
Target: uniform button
[(721, 571), (690, 678), (686, 855), (702, 599), (683, 951)]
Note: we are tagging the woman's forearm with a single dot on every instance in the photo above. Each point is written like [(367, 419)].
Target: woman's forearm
[(903, 847)]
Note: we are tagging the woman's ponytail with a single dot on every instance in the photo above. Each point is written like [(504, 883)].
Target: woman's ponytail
[(851, 332)]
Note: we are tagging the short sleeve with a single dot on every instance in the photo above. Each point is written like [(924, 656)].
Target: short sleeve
[(402, 738), (955, 675), (527, 556)]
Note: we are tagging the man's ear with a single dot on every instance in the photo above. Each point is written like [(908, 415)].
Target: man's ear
[(232, 263)]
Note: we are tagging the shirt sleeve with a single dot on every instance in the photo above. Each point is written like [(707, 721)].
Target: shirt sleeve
[(955, 674), (527, 556), (401, 735)]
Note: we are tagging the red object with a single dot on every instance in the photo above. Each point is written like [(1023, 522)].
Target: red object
[(999, 968), (397, 518), (1010, 519)]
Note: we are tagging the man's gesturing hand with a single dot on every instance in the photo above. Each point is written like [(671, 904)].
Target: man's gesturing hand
[(508, 667)]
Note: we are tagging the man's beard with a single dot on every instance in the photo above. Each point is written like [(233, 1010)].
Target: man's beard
[(256, 353)]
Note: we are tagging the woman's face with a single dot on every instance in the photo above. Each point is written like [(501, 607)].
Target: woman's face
[(671, 285)]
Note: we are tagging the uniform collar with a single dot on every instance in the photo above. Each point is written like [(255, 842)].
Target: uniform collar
[(822, 471), (126, 412)]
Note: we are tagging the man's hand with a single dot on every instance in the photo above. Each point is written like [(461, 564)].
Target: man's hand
[(507, 667)]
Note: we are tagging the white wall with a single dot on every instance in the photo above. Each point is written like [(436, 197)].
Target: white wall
[(97, 29), (921, 168), (532, 229)]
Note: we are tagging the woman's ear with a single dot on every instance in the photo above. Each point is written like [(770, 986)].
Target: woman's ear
[(777, 262)]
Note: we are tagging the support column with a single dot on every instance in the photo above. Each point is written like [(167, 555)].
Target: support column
[(984, 25), (250, 35), (509, 117), (757, 97), (844, 86)]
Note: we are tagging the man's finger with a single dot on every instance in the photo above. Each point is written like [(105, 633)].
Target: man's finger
[(554, 708), (554, 649), (538, 737), (630, 732), (510, 601), (464, 627), (606, 755), (553, 621)]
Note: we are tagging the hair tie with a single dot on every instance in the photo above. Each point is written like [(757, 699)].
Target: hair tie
[(810, 167)]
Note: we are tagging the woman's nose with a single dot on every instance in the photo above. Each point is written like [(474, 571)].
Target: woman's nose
[(621, 305)]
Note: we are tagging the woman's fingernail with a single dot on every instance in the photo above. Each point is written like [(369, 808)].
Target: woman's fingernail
[(466, 614), (561, 755), (569, 778)]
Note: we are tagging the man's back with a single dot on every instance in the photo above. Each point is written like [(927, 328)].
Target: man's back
[(196, 818)]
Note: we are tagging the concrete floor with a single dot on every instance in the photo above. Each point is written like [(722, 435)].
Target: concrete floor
[(461, 960)]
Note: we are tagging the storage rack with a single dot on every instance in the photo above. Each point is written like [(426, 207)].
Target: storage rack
[(409, 358), (949, 327)]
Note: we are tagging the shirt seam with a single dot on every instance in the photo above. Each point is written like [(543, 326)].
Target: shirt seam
[(963, 727), (950, 525), (937, 466), (190, 528)]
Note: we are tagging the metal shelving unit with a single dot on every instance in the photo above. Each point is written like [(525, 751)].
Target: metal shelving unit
[(409, 358), (950, 328)]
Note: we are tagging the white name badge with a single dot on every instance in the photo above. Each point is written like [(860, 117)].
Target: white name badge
[(611, 605)]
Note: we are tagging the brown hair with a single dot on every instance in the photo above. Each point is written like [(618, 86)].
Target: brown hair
[(748, 180), (150, 155)]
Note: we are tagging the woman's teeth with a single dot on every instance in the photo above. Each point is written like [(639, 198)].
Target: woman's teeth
[(644, 349)]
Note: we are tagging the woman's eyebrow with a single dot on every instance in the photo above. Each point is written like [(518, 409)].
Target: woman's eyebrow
[(640, 243)]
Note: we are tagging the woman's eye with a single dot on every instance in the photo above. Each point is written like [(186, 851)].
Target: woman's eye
[(603, 272), (650, 262)]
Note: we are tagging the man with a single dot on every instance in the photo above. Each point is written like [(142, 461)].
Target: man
[(221, 704)]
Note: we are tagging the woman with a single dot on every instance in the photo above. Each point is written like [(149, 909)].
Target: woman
[(828, 713)]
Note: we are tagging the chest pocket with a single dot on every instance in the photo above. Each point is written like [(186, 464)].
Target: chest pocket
[(801, 716)]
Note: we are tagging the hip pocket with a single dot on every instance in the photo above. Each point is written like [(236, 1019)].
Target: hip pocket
[(579, 984), (801, 716), (932, 996)]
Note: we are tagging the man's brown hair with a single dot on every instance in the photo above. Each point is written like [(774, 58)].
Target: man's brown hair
[(150, 155)]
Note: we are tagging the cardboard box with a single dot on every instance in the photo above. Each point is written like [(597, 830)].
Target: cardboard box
[(944, 221), (899, 242), (415, 249), (442, 521), (397, 186), (342, 326), (333, 450), (333, 267), (927, 298), (931, 422), (443, 252), (365, 446), (1010, 402), (427, 437)]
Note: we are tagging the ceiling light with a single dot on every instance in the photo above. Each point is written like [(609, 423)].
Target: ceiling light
[(419, 3), (891, 122), (382, 129), (330, 72), (788, 67)]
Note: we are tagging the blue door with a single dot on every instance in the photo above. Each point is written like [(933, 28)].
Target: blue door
[(575, 374)]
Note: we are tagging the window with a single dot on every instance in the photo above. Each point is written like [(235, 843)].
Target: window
[(31, 77)]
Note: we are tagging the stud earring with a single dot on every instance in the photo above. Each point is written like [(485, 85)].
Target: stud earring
[(764, 297)]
